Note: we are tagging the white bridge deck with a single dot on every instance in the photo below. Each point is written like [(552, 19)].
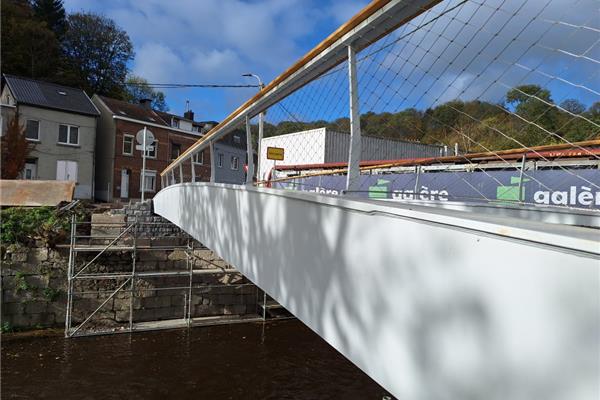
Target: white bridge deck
[(430, 303)]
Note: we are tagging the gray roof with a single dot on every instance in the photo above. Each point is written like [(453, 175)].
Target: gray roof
[(50, 95)]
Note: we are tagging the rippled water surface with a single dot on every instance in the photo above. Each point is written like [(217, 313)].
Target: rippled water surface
[(279, 360)]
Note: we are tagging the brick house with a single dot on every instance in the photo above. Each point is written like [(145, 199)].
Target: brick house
[(119, 163)]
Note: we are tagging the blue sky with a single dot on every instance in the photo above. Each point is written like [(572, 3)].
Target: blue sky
[(215, 41), (468, 50)]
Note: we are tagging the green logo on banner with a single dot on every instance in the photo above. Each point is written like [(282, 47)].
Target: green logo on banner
[(511, 193), (379, 190)]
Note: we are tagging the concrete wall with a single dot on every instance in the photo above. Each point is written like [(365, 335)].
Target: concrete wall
[(48, 151)]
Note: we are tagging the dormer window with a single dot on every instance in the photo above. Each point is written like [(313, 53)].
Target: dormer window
[(174, 123)]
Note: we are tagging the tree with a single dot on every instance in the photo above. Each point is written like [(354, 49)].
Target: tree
[(97, 52), (535, 106), (15, 149), (29, 48), (136, 88), (573, 106), (52, 12)]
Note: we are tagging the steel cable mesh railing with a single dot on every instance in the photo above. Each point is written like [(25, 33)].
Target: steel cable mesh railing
[(467, 101), (514, 80)]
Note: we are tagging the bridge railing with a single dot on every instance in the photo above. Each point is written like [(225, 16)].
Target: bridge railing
[(494, 102)]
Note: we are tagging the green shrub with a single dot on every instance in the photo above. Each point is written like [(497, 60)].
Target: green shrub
[(6, 327), (21, 283), (51, 294), (26, 224)]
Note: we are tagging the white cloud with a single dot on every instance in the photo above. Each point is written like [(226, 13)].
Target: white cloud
[(156, 62), (342, 10), (216, 64)]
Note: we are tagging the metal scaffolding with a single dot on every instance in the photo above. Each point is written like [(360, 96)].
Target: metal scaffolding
[(129, 238)]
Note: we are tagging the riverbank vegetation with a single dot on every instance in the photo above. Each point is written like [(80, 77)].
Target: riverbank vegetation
[(26, 225), (528, 116)]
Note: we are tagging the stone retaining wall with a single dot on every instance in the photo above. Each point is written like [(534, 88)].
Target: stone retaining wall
[(34, 288), (34, 280)]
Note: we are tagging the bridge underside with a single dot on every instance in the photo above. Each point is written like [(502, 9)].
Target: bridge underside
[(430, 303)]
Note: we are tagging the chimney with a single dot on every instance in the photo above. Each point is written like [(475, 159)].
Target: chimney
[(189, 114), (146, 103)]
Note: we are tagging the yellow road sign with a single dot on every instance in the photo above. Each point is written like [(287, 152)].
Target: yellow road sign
[(275, 153)]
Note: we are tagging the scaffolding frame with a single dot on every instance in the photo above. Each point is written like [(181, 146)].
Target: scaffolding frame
[(131, 230)]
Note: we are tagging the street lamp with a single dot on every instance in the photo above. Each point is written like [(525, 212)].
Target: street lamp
[(261, 118)]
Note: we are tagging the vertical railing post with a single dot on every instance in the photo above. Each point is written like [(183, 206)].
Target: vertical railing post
[(417, 176), (173, 177), (353, 176), (250, 154), (261, 123), (213, 162), (193, 168), (523, 161), (180, 173)]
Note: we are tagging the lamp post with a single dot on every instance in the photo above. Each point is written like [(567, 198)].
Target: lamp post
[(261, 118)]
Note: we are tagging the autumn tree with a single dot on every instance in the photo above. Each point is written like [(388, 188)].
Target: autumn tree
[(15, 149)]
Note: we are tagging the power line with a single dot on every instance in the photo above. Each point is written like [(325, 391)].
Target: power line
[(186, 85)]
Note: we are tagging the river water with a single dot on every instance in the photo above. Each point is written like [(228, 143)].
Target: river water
[(276, 360)]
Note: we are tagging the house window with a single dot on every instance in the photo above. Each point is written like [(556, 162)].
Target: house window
[(149, 181), (32, 131), (68, 134), (198, 157), (195, 128), (174, 123), (175, 150), (152, 151), (128, 145), (220, 160), (235, 162), (237, 139)]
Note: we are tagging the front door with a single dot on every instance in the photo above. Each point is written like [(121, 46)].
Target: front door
[(30, 170), (124, 183), (66, 170)]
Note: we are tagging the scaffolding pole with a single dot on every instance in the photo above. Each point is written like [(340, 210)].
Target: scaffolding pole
[(128, 280)]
